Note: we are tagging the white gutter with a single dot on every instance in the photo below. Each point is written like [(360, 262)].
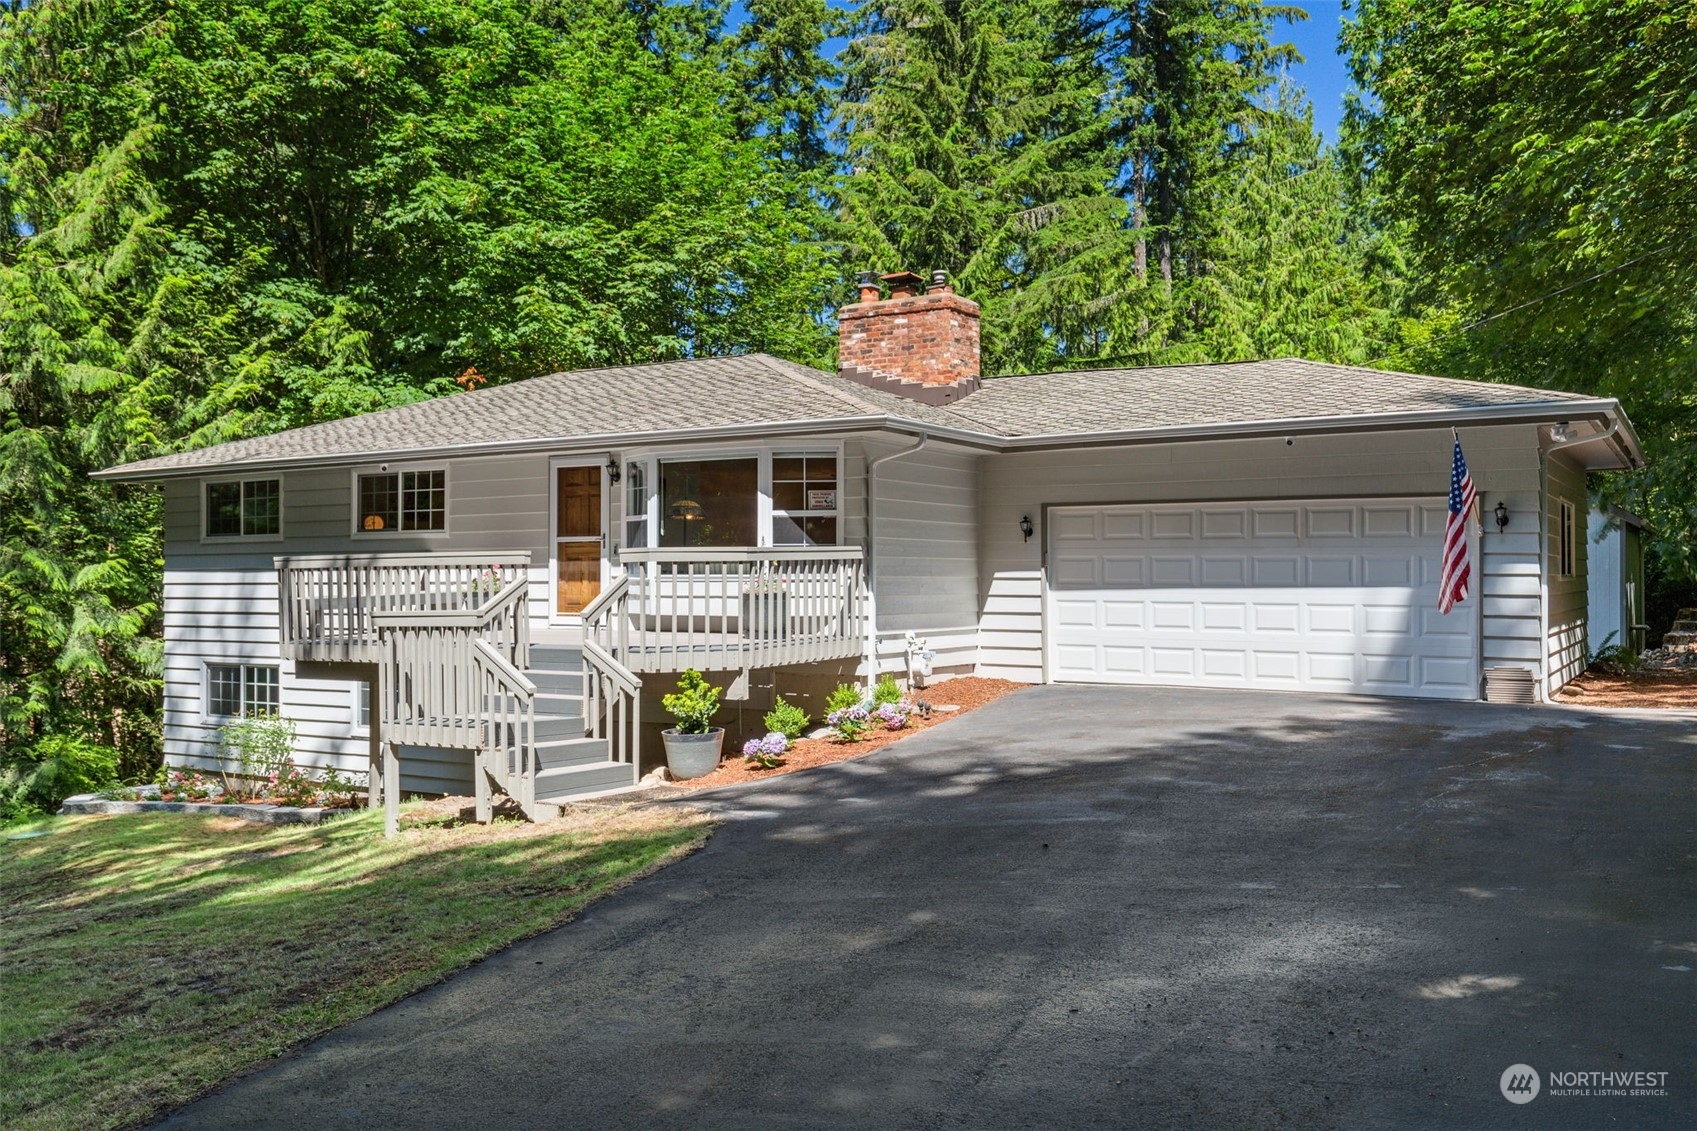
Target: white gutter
[(871, 556)]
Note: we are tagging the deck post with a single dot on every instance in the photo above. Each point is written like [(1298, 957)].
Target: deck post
[(480, 775), (391, 790)]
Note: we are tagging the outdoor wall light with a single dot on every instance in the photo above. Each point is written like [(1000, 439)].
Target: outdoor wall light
[(1025, 526), (612, 470), (1502, 516)]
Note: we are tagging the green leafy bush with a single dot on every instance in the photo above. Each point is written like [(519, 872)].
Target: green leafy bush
[(846, 697), (786, 719), (255, 752), (886, 691), (694, 704), (38, 780)]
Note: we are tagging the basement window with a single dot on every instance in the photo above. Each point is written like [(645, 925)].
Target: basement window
[(241, 690)]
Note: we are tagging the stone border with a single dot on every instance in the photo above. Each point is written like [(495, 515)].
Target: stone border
[(86, 803)]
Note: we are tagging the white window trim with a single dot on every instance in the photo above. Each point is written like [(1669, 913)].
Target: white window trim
[(206, 685), (651, 458), (206, 510), (1567, 548), (355, 727), (396, 469)]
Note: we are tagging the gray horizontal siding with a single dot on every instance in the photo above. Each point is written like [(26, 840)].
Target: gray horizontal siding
[(926, 549)]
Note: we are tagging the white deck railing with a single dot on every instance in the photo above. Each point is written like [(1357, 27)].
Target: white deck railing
[(327, 603), (731, 609)]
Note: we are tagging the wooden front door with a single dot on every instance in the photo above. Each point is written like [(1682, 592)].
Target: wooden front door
[(577, 537)]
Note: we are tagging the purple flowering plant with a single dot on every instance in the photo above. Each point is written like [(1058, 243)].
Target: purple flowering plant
[(765, 752)]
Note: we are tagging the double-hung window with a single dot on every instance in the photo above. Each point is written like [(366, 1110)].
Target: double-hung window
[(402, 501), (244, 508), (239, 690), (804, 499)]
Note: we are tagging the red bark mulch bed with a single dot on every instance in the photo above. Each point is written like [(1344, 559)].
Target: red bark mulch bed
[(967, 692), (1652, 688)]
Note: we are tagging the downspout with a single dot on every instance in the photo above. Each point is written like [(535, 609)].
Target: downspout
[(872, 466), (1544, 540)]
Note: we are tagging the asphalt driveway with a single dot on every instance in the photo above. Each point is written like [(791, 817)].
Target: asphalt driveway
[(1084, 907)]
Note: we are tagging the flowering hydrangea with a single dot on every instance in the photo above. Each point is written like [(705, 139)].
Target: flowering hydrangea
[(764, 752), (893, 716), (849, 723)]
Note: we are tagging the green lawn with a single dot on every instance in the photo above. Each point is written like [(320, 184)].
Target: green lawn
[(144, 958)]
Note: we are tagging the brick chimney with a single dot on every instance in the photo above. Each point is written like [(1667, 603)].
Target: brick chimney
[(921, 342)]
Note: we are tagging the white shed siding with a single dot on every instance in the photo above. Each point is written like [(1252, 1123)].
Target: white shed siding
[(1567, 635), (1503, 461)]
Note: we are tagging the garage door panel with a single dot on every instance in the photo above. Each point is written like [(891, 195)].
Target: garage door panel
[(1335, 595), (1276, 668), (1073, 571), (1276, 522), (1383, 570), (1173, 524), (1233, 523), (1224, 617), (1172, 661), (1172, 615), (1075, 526), (1327, 571), (1330, 619), (1267, 617), (1120, 570), (1331, 522), (1218, 570), (1122, 525), (1270, 571)]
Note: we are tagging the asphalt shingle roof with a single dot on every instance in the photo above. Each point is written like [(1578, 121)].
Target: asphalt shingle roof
[(1166, 396), (759, 392)]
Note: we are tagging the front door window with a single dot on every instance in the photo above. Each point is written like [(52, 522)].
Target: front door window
[(577, 537)]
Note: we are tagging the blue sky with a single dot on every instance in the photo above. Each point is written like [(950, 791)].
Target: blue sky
[(1322, 70)]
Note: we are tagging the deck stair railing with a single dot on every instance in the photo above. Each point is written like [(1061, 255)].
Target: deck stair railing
[(612, 693)]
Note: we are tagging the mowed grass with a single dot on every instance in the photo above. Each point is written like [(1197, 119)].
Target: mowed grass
[(144, 958)]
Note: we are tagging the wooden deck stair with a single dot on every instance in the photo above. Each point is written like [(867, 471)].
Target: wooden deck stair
[(570, 765)]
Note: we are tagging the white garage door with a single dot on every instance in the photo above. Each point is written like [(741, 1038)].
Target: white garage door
[(1319, 595)]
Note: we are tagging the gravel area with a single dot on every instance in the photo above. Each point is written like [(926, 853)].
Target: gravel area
[(965, 693)]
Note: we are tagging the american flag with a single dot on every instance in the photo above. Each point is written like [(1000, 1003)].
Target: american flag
[(1458, 570)]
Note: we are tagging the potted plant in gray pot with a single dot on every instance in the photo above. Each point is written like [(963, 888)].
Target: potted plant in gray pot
[(693, 746)]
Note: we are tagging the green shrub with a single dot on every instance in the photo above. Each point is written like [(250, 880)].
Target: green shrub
[(36, 781), (886, 691), (694, 705), (845, 697), (786, 719), (255, 751)]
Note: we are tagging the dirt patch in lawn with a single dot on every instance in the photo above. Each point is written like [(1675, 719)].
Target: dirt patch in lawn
[(966, 693), (1651, 688)]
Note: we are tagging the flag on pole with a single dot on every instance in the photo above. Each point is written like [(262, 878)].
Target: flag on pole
[(1458, 570)]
